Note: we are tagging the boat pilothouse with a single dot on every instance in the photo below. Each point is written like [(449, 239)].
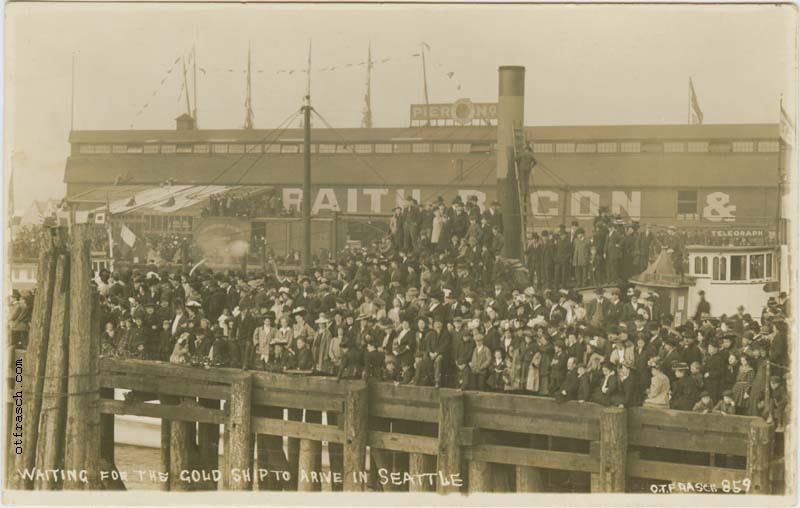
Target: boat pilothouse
[(734, 275)]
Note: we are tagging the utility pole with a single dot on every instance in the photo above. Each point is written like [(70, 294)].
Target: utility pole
[(186, 87), (307, 182), (194, 84)]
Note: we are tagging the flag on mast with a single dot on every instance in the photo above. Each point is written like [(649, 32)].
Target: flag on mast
[(248, 104), (366, 120), (695, 113)]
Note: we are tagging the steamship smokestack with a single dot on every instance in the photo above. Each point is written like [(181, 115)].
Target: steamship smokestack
[(510, 115)]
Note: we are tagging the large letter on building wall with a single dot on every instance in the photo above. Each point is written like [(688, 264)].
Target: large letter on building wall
[(326, 200), (579, 198), (375, 198), (352, 200), (292, 197), (632, 205), (717, 208), (465, 194), (536, 198)]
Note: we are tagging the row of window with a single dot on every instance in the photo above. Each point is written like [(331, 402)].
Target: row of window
[(735, 267), (408, 147)]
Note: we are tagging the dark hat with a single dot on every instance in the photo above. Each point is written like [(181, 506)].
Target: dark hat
[(727, 393), (704, 393), (599, 291), (609, 365), (680, 366), (775, 379)]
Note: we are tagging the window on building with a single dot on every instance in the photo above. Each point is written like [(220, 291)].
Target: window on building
[(200, 148), (119, 149), (421, 147), (236, 148), (383, 148), (701, 265), (738, 267), (290, 148), (251, 148), (327, 148), (402, 148), (168, 148), (87, 149), (742, 146), (151, 148), (344, 148), (442, 148), (586, 148), (481, 147), (698, 146), (757, 266), (363, 147), (220, 148), (136, 148), (769, 266), (720, 268), (543, 147), (631, 147), (272, 148), (565, 147), (768, 146), (102, 149), (687, 202), (674, 147), (461, 147), (184, 148), (606, 147)]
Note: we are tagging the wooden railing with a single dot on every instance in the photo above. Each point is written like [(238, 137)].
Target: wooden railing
[(487, 441)]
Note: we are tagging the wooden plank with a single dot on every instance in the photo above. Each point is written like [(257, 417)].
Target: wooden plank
[(731, 444), (300, 430), (389, 392), (695, 422), (165, 385), (403, 442), (542, 424), (181, 413), (297, 399), (324, 385), (404, 412), (153, 368), (532, 457), (669, 471), (495, 402), (310, 456)]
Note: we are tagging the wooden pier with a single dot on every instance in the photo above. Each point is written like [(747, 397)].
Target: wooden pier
[(378, 436)]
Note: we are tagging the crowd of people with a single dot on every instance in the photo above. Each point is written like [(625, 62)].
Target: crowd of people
[(256, 204), (423, 309)]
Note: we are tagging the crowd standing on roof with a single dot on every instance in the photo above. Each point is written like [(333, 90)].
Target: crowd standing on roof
[(435, 304)]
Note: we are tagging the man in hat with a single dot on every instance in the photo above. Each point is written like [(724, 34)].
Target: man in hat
[(597, 309), (525, 164), (685, 392), (607, 390), (562, 259), (19, 320), (716, 371), (479, 363), (629, 392), (580, 257), (630, 310), (613, 254), (658, 392), (703, 307), (675, 248)]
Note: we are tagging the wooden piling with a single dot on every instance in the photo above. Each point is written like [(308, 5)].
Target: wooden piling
[(181, 451), (420, 463), (165, 450), (240, 446), (94, 462), (10, 416), (613, 450), (451, 419), (293, 448), (35, 361), (50, 446), (310, 460), (80, 383), (356, 417), (759, 456), (480, 477)]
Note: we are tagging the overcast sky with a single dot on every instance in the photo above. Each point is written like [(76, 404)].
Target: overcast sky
[(587, 64)]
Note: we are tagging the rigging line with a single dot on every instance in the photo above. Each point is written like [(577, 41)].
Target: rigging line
[(346, 142), (221, 173), (244, 173)]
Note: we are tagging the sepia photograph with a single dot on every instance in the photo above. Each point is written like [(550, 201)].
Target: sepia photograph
[(400, 254)]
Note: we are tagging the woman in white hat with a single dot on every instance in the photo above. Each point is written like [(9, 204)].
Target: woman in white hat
[(320, 347)]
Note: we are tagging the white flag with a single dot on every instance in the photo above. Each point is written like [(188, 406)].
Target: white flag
[(127, 236), (81, 217)]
